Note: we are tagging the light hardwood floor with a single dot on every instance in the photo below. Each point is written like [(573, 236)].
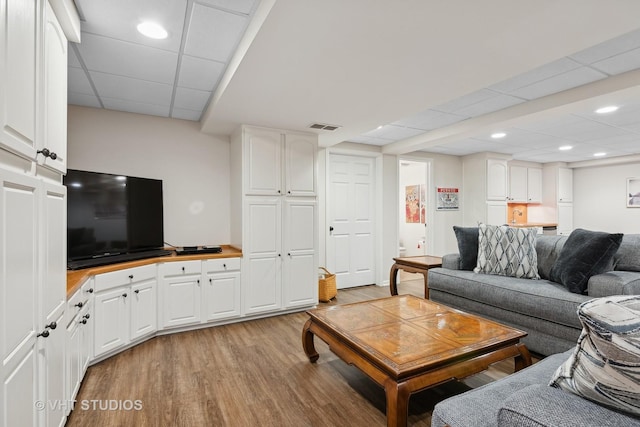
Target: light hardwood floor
[(253, 373)]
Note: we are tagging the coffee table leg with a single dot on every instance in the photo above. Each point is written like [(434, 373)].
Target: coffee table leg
[(397, 404), (307, 342), (524, 358)]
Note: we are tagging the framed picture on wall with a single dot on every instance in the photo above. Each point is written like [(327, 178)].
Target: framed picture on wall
[(448, 198), (633, 192)]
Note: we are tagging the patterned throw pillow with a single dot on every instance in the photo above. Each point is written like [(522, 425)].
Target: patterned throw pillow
[(507, 251), (605, 366)]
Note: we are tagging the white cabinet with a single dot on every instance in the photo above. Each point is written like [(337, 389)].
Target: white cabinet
[(79, 339), (277, 163), (124, 307), (180, 293), (496, 213), (565, 185), (497, 179), (565, 218), (274, 186), (221, 290), (525, 184), (558, 195), (18, 74)]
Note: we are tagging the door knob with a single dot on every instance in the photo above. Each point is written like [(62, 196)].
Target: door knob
[(330, 229)]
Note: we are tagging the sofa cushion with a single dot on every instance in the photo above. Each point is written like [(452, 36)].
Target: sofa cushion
[(628, 256), (584, 254), (467, 238), (507, 251), (605, 366), (548, 248)]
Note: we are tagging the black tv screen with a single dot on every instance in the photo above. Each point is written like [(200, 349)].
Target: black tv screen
[(110, 215)]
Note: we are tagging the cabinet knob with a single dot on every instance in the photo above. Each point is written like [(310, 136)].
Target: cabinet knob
[(52, 325), (211, 281), (86, 316), (137, 291), (131, 276), (79, 305), (90, 290), (224, 265), (43, 334), (83, 321), (48, 153), (289, 192), (198, 282), (279, 192), (124, 295), (183, 269)]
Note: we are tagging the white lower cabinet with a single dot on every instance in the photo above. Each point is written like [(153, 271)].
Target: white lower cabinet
[(111, 325), (180, 293), (221, 290), (143, 309), (79, 340)]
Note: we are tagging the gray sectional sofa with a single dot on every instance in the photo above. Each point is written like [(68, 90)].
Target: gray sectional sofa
[(544, 309)]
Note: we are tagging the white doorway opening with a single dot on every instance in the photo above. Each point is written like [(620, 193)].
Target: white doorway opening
[(414, 207)]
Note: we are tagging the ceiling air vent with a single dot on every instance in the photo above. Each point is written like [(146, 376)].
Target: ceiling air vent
[(323, 126)]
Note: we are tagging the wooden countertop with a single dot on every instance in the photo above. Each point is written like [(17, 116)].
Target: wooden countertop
[(75, 278), (533, 224)]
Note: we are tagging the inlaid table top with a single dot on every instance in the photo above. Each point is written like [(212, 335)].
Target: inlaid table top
[(407, 344)]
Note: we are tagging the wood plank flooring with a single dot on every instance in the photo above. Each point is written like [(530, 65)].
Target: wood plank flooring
[(253, 373)]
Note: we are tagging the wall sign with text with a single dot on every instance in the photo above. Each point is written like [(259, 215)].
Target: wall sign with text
[(447, 198)]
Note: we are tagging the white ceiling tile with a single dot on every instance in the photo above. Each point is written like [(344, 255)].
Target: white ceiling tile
[(536, 75), (429, 119), (127, 59), (180, 113), (465, 101), (489, 105), (620, 63), (72, 58), (568, 80), (370, 140), (126, 89), (393, 132), (83, 99), (191, 99), (197, 73), (553, 122), (78, 82), (125, 15), (241, 6), (136, 107), (609, 48), (213, 34)]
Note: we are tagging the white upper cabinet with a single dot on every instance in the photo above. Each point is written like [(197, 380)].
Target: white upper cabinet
[(534, 185), (18, 50), (279, 163), (497, 179), (55, 94), (565, 185), (525, 184)]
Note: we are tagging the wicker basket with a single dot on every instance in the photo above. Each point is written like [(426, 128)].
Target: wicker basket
[(327, 286)]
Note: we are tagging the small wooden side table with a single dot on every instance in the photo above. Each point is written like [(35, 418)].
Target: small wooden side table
[(413, 264)]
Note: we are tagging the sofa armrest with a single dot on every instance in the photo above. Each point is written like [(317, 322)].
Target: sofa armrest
[(614, 283), (451, 261), (541, 405)]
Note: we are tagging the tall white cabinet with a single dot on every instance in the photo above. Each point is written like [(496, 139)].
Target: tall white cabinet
[(486, 189), (557, 181), (33, 106), (274, 186)]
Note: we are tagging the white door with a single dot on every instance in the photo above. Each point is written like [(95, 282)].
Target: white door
[(351, 218), (111, 320), (143, 309), (300, 277)]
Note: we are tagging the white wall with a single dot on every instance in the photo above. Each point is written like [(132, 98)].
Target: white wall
[(599, 198), (194, 166)]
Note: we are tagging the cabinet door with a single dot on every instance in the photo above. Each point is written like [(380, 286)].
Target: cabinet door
[(18, 26), (222, 296), (496, 213), (181, 301), (518, 184), (263, 162), (19, 201), (565, 185), (54, 253), (111, 325), (52, 369), (565, 218), (73, 374), (85, 328), (262, 248), (534, 185), (55, 92), (300, 164), (496, 179), (300, 272), (143, 309)]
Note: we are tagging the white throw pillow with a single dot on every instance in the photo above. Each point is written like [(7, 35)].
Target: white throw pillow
[(507, 251)]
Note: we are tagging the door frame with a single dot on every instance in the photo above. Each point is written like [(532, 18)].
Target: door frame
[(429, 193), (324, 156)]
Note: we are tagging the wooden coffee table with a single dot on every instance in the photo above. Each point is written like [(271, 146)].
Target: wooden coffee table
[(407, 344), (413, 264)]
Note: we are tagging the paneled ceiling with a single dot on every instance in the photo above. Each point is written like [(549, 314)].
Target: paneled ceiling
[(416, 75)]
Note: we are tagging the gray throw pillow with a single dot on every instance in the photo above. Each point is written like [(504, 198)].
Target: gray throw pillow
[(585, 254), (467, 246), (507, 251)]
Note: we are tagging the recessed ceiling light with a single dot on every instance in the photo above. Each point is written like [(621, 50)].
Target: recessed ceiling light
[(565, 147), (599, 154), (152, 30), (379, 127), (607, 109), (498, 135)]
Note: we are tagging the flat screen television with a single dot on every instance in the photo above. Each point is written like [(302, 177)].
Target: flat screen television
[(112, 218)]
